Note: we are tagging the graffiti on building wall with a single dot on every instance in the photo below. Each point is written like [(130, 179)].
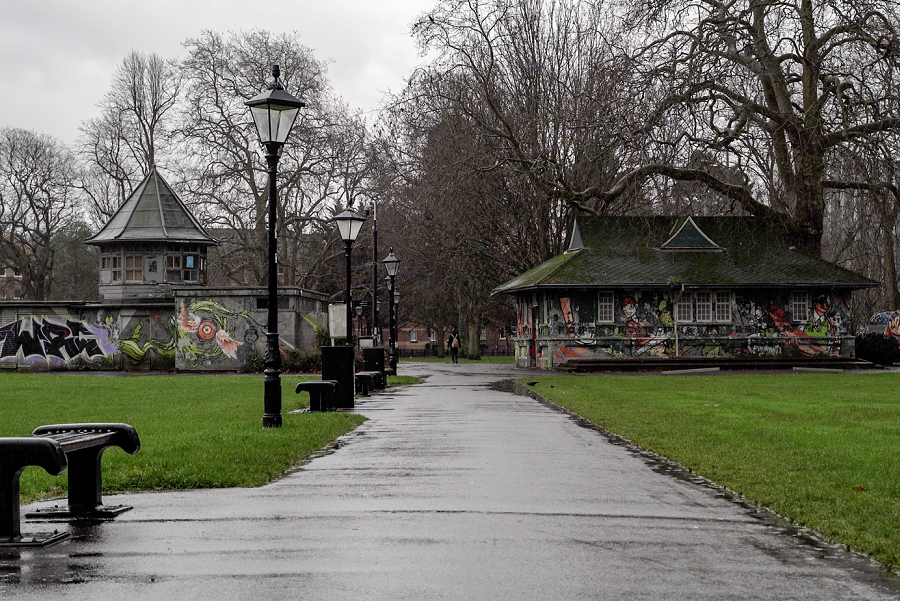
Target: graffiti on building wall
[(39, 339), (204, 332), (644, 325)]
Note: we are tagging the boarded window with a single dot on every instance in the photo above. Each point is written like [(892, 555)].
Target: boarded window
[(134, 269)]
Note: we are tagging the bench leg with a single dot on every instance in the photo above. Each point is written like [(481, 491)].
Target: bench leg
[(10, 521), (85, 498), (315, 401)]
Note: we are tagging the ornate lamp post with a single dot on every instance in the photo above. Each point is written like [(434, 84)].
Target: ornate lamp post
[(391, 265), (349, 223), (274, 112)]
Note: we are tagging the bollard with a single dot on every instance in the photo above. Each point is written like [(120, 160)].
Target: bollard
[(373, 359), (338, 364)]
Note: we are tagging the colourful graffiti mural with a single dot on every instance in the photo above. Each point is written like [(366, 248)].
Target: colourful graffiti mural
[(204, 333), (731, 325)]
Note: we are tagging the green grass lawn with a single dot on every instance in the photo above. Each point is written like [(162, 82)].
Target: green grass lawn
[(821, 449), (195, 431)]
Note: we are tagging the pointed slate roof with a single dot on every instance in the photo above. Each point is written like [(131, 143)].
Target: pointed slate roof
[(153, 213), (625, 252), (575, 242), (689, 237)]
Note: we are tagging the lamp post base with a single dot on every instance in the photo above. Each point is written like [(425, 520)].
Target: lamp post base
[(272, 394)]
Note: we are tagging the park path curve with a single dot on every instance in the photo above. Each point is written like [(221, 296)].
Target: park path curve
[(452, 489)]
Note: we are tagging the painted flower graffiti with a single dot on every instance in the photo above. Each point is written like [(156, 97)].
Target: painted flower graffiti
[(208, 321)]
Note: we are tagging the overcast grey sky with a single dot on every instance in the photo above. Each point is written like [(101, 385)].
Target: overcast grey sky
[(57, 57)]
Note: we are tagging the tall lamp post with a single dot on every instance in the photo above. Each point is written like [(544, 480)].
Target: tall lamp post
[(349, 223), (274, 112), (391, 265)]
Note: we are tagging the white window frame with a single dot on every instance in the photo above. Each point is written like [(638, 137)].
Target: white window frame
[(413, 336), (703, 311), (685, 301), (606, 307), (722, 307), (800, 306)]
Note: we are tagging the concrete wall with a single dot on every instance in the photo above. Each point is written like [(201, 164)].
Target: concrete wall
[(563, 325), (200, 330)]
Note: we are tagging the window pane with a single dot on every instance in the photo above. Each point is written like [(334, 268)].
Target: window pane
[(683, 308), (723, 307), (800, 306), (704, 306), (605, 310)]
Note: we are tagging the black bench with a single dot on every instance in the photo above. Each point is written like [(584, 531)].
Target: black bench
[(76, 447), (366, 381), (321, 393)]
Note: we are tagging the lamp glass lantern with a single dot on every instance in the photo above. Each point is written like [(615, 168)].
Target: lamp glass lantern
[(391, 264), (274, 112), (349, 224)]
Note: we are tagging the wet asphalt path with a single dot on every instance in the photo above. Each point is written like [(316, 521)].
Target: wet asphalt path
[(451, 490)]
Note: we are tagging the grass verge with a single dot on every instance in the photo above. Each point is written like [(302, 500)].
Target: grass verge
[(820, 449), (196, 431)]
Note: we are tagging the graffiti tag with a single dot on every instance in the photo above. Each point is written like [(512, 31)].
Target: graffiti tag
[(42, 337)]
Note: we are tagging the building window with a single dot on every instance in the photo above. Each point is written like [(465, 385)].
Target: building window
[(110, 269), (134, 271), (800, 306), (431, 335), (683, 308), (413, 336), (704, 306), (173, 268), (605, 307), (723, 307), (484, 333)]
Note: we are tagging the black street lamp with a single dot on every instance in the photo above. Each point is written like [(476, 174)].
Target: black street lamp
[(359, 321), (349, 223), (391, 265), (274, 112)]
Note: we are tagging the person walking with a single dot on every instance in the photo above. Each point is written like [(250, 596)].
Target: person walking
[(453, 345)]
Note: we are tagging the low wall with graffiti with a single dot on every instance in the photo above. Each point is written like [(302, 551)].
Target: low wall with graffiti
[(219, 330), (643, 324)]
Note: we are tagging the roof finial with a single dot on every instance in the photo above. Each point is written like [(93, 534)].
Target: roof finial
[(276, 73)]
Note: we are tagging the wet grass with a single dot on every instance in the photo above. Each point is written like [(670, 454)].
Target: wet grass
[(196, 431), (820, 449)]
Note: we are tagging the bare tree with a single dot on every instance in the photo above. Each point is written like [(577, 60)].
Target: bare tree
[(38, 200), (134, 129), (538, 80), (225, 173), (783, 85)]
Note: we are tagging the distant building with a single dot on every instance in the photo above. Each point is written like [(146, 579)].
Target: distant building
[(10, 283), (156, 311), (681, 287), (151, 243)]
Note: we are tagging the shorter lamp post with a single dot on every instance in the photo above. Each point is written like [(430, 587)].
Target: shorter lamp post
[(391, 265), (274, 112), (397, 324), (349, 223), (359, 322)]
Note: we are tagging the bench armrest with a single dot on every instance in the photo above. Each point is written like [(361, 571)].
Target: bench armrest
[(126, 436), (17, 453)]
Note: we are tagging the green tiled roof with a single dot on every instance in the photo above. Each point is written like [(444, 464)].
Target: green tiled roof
[(626, 252)]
